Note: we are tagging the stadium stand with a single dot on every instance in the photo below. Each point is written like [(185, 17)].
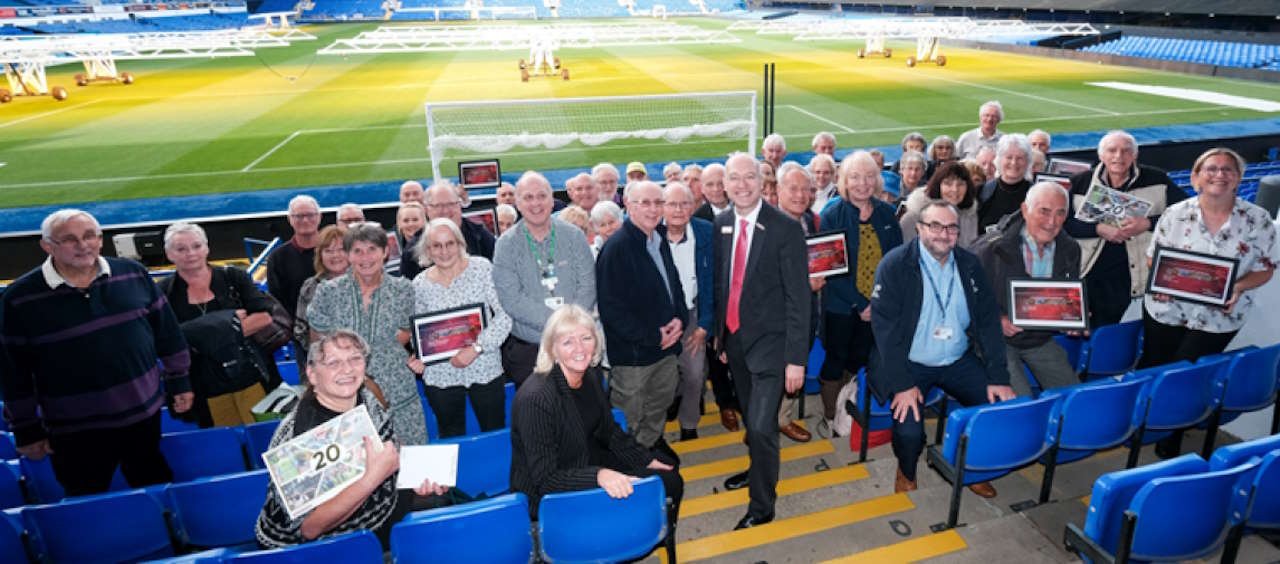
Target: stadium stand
[(1221, 53), (211, 21)]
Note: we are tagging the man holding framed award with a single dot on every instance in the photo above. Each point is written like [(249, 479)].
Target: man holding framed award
[(1034, 267)]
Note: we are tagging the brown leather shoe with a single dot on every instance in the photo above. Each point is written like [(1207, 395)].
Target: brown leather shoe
[(729, 418), (902, 484), (983, 489), (796, 433)]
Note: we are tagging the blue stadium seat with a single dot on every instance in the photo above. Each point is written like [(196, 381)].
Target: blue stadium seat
[(484, 462), (352, 548), (621, 419), (1074, 347), (985, 442), (288, 371), (1089, 418), (1250, 385), (8, 450), (11, 494), (170, 425), (590, 526), (816, 356), (211, 556), (219, 511), (1178, 398), (42, 485), (257, 438), (1264, 508), (1172, 510), (4, 423), (473, 424), (433, 431), (493, 530), (12, 546), (115, 527), (1112, 349), (203, 453), (880, 416)]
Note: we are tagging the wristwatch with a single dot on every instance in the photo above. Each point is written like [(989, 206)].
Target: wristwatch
[(479, 349)]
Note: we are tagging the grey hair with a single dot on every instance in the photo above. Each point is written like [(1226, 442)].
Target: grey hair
[(633, 186), (693, 168), (941, 139), (913, 156), (676, 187), (184, 227), (564, 319), (740, 155), (672, 166), (823, 157), (1122, 134), (302, 199), (853, 159), (992, 104), (1015, 141), (349, 206), (315, 353), (505, 209), (60, 217), (420, 248), (579, 178), (604, 167), (366, 232), (792, 166), (603, 210), (1046, 187), (937, 204), (443, 184), (913, 136), (531, 176), (822, 136), (774, 139), (1046, 135)]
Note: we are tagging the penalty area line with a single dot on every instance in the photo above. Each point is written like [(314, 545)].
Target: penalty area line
[(819, 118), (255, 162)]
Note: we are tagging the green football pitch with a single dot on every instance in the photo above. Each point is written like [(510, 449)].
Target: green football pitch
[(288, 117)]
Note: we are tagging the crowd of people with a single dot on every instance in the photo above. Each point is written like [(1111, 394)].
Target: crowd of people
[(628, 298)]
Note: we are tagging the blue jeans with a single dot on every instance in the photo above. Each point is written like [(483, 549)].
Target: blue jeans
[(965, 380)]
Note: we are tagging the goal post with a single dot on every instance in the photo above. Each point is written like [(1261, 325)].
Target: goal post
[(491, 128)]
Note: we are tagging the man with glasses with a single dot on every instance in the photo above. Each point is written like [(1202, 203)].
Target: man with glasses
[(690, 239), (293, 263), (349, 214), (444, 201), (91, 349), (944, 289), (644, 312)]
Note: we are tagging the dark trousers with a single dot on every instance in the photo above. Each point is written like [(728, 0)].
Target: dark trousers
[(759, 395), (518, 358), (847, 341), (964, 379), (450, 406), (1162, 344), (721, 385), (85, 461), (1108, 297)]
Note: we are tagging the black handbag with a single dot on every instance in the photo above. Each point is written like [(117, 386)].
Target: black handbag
[(275, 335)]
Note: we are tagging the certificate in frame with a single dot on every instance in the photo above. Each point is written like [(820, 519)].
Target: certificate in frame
[(1191, 276), (438, 335), (828, 255), (1048, 304)]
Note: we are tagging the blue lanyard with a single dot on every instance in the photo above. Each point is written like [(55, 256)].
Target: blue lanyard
[(934, 286)]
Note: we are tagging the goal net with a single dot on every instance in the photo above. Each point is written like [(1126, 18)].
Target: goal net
[(490, 128)]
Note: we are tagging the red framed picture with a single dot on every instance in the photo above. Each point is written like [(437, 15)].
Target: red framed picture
[(827, 255), (479, 174), (1041, 303), (487, 219), (438, 335), (1192, 276)]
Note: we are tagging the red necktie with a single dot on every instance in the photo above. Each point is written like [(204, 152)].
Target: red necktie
[(735, 282)]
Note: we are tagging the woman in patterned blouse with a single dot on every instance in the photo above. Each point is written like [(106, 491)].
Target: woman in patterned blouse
[(1217, 222), (456, 280)]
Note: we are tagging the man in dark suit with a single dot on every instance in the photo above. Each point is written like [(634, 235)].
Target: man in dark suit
[(717, 201), (760, 259)]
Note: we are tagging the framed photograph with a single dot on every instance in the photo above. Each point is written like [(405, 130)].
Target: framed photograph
[(479, 174), (1042, 303), (827, 255), (1060, 180), (1191, 276), (438, 335), (1066, 167), (487, 219)]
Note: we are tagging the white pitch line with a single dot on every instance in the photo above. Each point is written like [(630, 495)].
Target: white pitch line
[(49, 113), (1016, 93), (544, 152), (819, 118), (268, 153)]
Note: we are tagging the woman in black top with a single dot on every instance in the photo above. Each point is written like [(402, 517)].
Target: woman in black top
[(1003, 194), (563, 436)]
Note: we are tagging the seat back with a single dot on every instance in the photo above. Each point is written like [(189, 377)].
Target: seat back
[(360, 547), (473, 424), (1113, 349), (116, 527), (12, 548), (493, 530), (484, 462), (1234, 455), (11, 485), (1113, 492), (257, 439), (1074, 347), (218, 511), (620, 418), (1001, 437), (590, 526), (203, 453), (1099, 416), (1251, 380), (8, 449), (169, 424), (41, 482), (1182, 397), (1264, 510), (1184, 517)]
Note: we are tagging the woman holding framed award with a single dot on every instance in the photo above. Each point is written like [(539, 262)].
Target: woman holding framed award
[(1208, 252), (457, 331)]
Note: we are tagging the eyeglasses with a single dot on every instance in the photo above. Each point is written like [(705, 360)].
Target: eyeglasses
[(1225, 171), (72, 240), (941, 228), (349, 362), (305, 216), (444, 245), (445, 205)]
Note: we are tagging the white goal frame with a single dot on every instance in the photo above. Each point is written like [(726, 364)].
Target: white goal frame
[(438, 144)]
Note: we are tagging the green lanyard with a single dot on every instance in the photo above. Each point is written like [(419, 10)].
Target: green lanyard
[(549, 267)]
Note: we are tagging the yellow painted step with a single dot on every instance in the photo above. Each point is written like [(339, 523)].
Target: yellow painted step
[(740, 463), (714, 441), (784, 529), (789, 486), (914, 550), (705, 421)]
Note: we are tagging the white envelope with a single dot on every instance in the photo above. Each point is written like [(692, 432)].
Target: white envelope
[(438, 463)]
